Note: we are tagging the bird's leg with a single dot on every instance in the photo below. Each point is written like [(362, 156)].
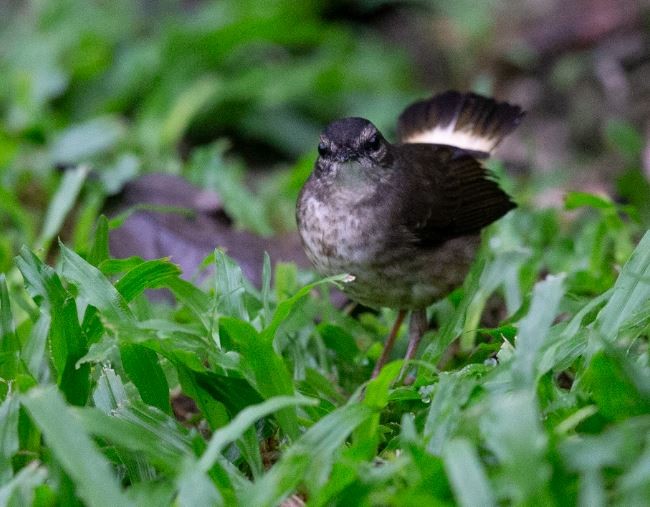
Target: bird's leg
[(388, 346), (417, 327)]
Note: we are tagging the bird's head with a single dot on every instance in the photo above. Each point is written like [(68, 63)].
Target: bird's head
[(352, 149)]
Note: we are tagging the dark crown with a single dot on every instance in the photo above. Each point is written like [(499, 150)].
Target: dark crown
[(347, 130)]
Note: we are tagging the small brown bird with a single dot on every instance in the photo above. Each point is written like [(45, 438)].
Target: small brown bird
[(404, 219)]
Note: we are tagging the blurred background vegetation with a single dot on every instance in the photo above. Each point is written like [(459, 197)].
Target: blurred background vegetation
[(193, 124), (232, 95)]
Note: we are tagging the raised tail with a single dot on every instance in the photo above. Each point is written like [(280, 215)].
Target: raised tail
[(467, 121)]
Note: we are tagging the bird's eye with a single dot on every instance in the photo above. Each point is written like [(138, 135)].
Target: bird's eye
[(374, 142), (322, 149)]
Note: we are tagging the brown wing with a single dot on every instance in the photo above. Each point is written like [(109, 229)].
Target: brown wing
[(449, 194)]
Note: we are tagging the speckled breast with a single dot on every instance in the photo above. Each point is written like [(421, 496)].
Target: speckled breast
[(335, 240), (396, 275)]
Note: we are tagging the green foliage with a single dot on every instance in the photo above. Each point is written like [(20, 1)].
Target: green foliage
[(118, 86), (220, 393), (504, 428)]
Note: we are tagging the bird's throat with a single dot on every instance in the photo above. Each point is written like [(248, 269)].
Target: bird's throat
[(352, 182)]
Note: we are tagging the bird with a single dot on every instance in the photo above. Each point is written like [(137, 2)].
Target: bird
[(404, 219)]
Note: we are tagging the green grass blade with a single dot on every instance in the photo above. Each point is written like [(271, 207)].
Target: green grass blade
[(9, 345), (513, 432), (288, 305), (67, 341), (534, 328), (308, 459), (229, 286), (266, 289), (466, 474), (631, 291), (452, 391), (130, 436), (34, 351), (9, 444), (20, 490), (143, 369), (266, 369), (10, 206), (94, 286), (99, 250), (193, 298), (212, 408), (73, 448), (366, 437), (236, 428), (8, 340), (61, 204), (151, 274), (196, 488)]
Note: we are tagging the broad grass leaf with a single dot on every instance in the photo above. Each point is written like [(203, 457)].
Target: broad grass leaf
[(190, 102), (99, 251), (127, 435), (534, 328), (286, 306), (263, 366), (366, 437), (575, 200), (609, 380), (61, 204), (309, 459), (34, 351), (235, 392), (9, 345), (109, 393), (8, 339), (245, 419), (634, 484), (339, 340), (142, 436), (10, 207), (197, 489), (621, 446), (229, 287), (151, 274), (617, 446), (143, 369), (209, 168), (91, 473), (21, 489), (496, 271), (443, 417), (94, 287), (466, 474), (196, 300), (563, 346), (212, 407), (631, 291), (9, 443), (266, 289), (151, 493), (142, 429), (249, 447), (67, 341), (85, 219), (322, 386), (512, 430), (79, 142)]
